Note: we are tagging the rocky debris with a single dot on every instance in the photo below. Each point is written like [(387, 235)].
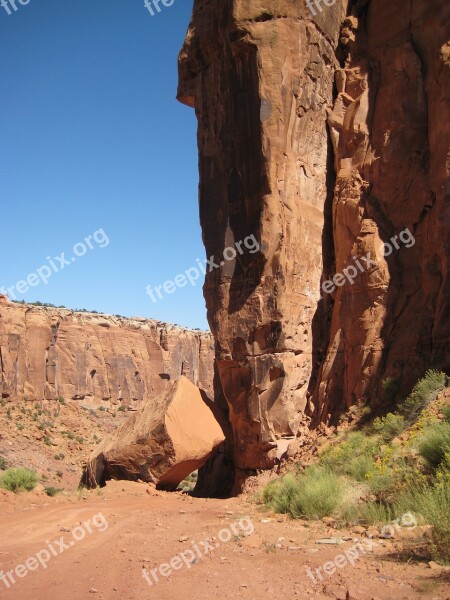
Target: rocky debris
[(96, 360), (173, 435), (323, 138)]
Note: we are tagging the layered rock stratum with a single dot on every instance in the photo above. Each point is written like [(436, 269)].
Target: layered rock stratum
[(96, 359), (325, 133)]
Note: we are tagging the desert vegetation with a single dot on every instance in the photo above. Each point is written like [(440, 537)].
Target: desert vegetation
[(398, 463), (188, 484), (55, 437), (18, 480)]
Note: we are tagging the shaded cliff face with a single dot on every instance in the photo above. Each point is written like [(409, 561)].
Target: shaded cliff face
[(391, 135), (48, 353), (261, 80), (323, 137)]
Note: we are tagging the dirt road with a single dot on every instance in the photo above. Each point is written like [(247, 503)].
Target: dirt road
[(98, 547)]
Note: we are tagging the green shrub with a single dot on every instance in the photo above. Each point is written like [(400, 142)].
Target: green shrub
[(389, 427), (122, 408), (3, 463), (314, 494), (359, 467), (351, 456), (372, 513), (188, 484), (435, 443), (52, 491), (432, 506), (446, 413), (16, 480), (381, 480), (192, 478), (365, 459), (424, 392), (438, 516)]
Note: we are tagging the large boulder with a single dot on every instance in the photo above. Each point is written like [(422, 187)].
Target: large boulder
[(170, 437)]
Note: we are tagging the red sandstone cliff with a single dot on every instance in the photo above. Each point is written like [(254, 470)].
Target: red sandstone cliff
[(324, 137), (48, 353)]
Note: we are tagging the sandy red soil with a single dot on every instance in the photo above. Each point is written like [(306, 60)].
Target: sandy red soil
[(145, 531)]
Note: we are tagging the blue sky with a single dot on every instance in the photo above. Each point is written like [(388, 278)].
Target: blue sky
[(93, 138)]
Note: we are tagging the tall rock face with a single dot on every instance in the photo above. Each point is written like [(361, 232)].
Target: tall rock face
[(391, 135), (48, 353), (260, 76), (323, 133)]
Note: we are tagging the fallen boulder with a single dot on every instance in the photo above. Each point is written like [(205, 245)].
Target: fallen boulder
[(167, 439)]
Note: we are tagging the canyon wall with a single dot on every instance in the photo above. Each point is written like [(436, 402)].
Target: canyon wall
[(50, 353), (391, 136), (325, 136)]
